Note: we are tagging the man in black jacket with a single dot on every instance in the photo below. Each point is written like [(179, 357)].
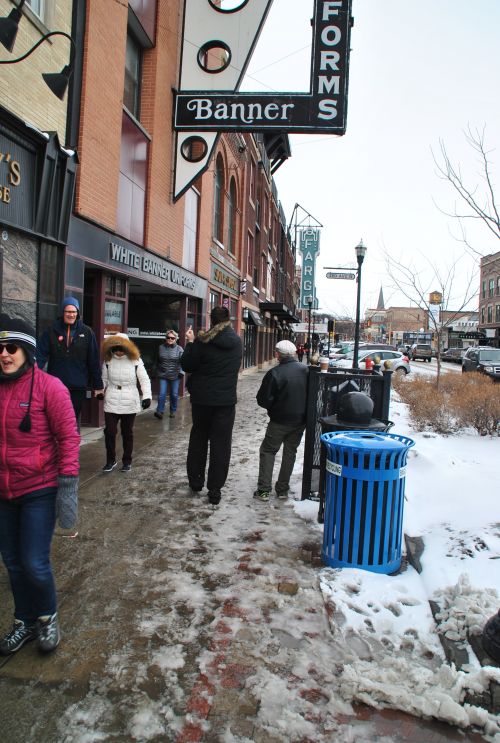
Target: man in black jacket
[(212, 361), (70, 350), (283, 393)]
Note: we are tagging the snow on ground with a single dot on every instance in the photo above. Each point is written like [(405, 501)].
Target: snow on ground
[(383, 626)]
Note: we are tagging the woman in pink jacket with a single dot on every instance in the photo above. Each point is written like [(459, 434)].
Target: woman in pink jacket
[(39, 446)]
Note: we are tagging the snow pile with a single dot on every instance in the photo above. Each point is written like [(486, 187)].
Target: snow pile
[(383, 629)]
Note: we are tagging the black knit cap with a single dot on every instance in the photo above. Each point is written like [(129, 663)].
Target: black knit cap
[(15, 330)]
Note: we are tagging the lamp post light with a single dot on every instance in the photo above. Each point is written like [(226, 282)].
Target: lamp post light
[(360, 256), (309, 302)]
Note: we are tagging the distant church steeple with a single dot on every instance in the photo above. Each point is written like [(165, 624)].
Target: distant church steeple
[(380, 303)]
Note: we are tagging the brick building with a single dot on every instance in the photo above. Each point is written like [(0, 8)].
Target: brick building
[(138, 261), (489, 298)]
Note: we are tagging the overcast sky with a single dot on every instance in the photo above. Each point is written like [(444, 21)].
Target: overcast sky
[(419, 72)]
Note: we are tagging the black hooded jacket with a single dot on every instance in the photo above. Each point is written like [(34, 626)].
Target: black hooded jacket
[(213, 361)]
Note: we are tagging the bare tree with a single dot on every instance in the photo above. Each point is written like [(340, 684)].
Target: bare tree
[(416, 284), (474, 201)]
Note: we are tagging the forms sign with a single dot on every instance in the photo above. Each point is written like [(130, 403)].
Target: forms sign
[(217, 47)]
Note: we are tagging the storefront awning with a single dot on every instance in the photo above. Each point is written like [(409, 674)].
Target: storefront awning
[(279, 309), (255, 318)]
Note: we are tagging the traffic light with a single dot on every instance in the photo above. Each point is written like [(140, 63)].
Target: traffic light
[(331, 325)]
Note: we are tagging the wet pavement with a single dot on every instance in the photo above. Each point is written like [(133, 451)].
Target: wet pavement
[(184, 622)]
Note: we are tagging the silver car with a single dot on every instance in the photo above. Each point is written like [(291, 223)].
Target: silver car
[(399, 362)]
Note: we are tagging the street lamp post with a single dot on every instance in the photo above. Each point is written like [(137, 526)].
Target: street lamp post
[(360, 256), (309, 302)]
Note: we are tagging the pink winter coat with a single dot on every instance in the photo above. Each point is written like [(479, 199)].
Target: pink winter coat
[(32, 461)]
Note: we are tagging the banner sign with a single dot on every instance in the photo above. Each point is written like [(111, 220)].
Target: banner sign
[(217, 47), (309, 248)]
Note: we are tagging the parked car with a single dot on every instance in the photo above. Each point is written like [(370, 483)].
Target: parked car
[(452, 354), (484, 359), (421, 351), (399, 363)]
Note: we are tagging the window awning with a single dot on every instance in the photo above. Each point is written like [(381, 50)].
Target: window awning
[(255, 318), (279, 309)]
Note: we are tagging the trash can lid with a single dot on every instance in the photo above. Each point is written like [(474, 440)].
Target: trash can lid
[(367, 440)]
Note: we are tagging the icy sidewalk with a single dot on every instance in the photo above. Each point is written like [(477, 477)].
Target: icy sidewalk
[(184, 622)]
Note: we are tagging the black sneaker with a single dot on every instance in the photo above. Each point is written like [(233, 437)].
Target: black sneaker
[(158, 415), (214, 497), (109, 467), (15, 639), (262, 495), (282, 494), (49, 636), (126, 468), (172, 415)]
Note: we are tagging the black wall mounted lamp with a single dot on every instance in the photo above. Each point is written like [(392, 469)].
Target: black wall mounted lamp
[(56, 81)]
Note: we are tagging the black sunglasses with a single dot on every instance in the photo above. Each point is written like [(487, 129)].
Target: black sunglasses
[(9, 347), (116, 349), (170, 338)]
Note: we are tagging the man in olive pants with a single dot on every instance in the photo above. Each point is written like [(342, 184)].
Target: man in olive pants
[(283, 393)]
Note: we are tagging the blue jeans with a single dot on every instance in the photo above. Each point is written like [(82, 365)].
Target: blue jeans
[(26, 529), (173, 390)]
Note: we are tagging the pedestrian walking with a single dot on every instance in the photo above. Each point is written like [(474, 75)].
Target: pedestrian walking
[(307, 350), (123, 371), (39, 448), (212, 360), (169, 372), (300, 352), (70, 351), (283, 393)]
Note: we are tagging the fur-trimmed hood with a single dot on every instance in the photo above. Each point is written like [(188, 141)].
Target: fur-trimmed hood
[(120, 339), (214, 334)]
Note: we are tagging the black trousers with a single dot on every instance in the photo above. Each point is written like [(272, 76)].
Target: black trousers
[(77, 398), (127, 429), (212, 424)]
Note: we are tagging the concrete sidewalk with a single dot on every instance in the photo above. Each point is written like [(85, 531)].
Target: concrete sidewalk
[(182, 622)]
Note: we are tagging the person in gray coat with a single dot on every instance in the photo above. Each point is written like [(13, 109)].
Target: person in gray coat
[(169, 373), (283, 393)]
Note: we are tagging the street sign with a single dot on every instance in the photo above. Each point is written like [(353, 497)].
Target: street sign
[(331, 275)]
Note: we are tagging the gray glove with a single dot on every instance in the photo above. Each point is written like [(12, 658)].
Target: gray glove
[(67, 501)]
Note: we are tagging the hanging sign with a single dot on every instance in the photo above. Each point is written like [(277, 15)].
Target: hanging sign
[(309, 248), (218, 42)]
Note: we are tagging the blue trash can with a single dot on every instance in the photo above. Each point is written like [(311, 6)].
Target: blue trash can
[(365, 482)]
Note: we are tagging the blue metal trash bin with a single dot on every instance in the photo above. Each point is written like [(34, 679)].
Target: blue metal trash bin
[(365, 482)]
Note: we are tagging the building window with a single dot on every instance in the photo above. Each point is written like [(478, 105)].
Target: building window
[(491, 288), (482, 315), (37, 7), (497, 313), (132, 88), (214, 299), (218, 191), (255, 266), (252, 179), (490, 313), (263, 272), (249, 254), (191, 206), (483, 289), (231, 218), (50, 283)]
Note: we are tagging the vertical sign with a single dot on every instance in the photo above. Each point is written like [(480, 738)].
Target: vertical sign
[(309, 248)]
